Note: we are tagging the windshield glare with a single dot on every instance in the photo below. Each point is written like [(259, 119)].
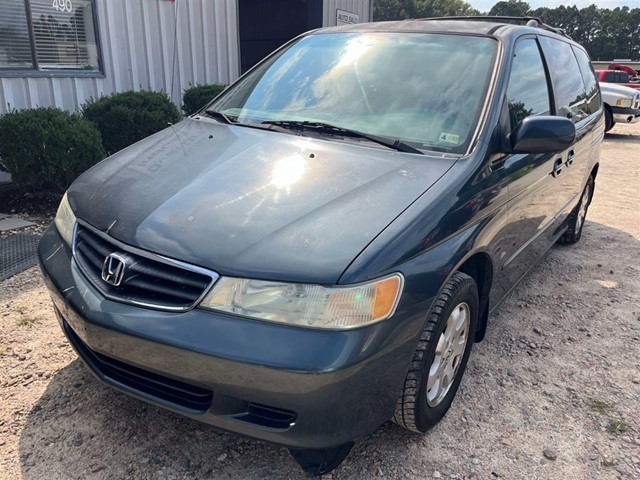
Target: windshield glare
[(424, 89)]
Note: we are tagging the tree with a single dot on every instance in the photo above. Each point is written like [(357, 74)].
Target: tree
[(511, 8), (605, 33), (443, 8), (391, 10), (401, 9)]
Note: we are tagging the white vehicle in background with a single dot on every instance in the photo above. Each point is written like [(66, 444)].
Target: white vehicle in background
[(621, 104)]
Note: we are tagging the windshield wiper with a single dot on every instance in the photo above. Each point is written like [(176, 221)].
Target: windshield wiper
[(321, 127), (220, 116)]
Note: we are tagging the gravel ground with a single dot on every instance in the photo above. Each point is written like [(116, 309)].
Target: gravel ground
[(553, 391)]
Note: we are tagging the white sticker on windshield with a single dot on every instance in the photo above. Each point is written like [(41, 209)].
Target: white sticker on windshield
[(449, 137)]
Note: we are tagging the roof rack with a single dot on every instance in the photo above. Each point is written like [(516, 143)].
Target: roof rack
[(530, 21)]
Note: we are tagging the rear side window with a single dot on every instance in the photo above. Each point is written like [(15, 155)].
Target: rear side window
[(566, 79), (527, 93), (589, 79), (610, 77)]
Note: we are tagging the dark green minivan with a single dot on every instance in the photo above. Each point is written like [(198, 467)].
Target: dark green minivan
[(316, 251)]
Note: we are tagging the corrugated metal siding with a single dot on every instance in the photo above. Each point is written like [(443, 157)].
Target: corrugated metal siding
[(361, 7), (137, 42)]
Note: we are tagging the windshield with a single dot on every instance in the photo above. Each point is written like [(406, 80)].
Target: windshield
[(424, 89)]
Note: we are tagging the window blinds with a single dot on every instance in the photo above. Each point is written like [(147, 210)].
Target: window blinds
[(15, 47), (64, 34)]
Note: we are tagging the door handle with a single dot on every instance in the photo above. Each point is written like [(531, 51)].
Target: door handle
[(570, 158), (557, 167)]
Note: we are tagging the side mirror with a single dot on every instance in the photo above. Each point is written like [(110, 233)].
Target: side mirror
[(542, 134)]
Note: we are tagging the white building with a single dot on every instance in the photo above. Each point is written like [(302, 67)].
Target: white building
[(62, 52)]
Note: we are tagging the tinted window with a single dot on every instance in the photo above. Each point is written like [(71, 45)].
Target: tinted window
[(610, 77), (527, 93), (567, 81), (397, 85), (589, 79)]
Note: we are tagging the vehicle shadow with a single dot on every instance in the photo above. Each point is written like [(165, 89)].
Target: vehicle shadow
[(80, 428), (622, 137), (625, 133)]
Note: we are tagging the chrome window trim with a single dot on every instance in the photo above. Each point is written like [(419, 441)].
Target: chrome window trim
[(498, 66), (146, 254)]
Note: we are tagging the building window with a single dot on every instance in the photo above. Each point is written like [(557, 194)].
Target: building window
[(48, 35)]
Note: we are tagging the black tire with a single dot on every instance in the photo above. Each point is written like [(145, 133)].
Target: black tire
[(413, 410), (608, 120), (575, 222)]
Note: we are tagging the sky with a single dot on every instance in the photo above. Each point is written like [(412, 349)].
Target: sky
[(485, 5)]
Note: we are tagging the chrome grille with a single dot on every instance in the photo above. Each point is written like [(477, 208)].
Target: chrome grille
[(149, 280)]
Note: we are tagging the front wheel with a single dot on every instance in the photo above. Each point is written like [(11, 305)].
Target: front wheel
[(441, 357), (608, 120)]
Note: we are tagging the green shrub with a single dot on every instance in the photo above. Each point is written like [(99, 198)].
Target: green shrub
[(127, 117), (47, 147), (194, 98)]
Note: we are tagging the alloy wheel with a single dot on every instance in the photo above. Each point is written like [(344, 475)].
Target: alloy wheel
[(449, 353)]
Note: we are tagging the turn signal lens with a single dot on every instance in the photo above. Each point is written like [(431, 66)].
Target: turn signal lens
[(386, 293)]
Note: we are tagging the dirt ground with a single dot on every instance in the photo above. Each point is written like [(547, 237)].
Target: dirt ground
[(552, 393)]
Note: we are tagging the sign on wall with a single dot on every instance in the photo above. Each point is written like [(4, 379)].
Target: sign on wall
[(346, 18)]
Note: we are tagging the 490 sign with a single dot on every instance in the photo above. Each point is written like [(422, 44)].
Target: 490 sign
[(63, 5)]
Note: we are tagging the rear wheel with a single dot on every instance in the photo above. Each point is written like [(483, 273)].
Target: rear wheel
[(441, 357), (578, 215), (608, 120)]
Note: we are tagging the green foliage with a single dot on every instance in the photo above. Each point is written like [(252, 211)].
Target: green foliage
[(605, 33), (600, 406), (617, 427), (47, 147), (511, 8), (127, 117), (26, 321), (196, 97), (401, 9)]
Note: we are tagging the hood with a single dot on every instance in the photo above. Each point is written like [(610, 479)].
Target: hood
[(620, 90), (249, 202)]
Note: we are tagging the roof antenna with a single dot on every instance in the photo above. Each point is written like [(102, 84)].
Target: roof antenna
[(173, 67), (175, 46)]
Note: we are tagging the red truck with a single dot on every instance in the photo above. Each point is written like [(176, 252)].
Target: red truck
[(633, 74), (619, 77)]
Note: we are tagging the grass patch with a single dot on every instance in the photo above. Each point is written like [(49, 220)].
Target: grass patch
[(600, 406), (20, 309), (26, 321), (617, 427)]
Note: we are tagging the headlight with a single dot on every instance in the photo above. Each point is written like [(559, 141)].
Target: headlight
[(624, 102), (65, 220), (307, 305)]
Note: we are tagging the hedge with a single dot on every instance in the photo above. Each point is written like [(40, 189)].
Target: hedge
[(47, 147), (194, 98), (127, 117)]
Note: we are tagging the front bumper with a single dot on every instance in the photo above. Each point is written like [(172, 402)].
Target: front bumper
[(292, 386), (625, 115)]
